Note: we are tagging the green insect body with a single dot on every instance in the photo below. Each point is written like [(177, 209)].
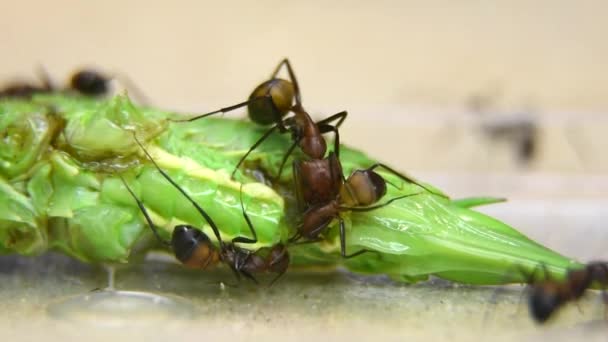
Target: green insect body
[(59, 189)]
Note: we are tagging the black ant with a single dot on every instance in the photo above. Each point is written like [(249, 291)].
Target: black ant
[(545, 297), (85, 82), (322, 193), (270, 102), (193, 248)]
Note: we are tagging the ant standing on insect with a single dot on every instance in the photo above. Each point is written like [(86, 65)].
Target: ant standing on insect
[(270, 102), (323, 193), (321, 189), (193, 248)]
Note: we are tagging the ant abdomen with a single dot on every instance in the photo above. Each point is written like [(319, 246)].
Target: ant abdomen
[(193, 248), (89, 82), (363, 188), (282, 94)]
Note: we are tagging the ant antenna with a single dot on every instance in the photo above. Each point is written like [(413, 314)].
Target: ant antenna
[(243, 239), (378, 206), (404, 177), (207, 218), (292, 77), (145, 212)]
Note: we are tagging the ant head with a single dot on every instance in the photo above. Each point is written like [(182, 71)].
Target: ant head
[(282, 94), (543, 301), (188, 243), (364, 187), (89, 82)]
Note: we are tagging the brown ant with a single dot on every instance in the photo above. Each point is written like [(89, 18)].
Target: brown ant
[(193, 248), (545, 297), (322, 193), (270, 102)]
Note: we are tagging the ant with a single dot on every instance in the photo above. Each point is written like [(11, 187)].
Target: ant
[(27, 90), (324, 192), (193, 248), (322, 180), (548, 295), (270, 102), (85, 82)]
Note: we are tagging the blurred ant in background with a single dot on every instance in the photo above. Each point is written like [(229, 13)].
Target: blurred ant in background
[(193, 248), (86, 82), (519, 129), (545, 297)]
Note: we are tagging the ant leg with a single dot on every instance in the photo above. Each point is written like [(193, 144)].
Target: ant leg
[(249, 276), (274, 280), (325, 127), (284, 161), (228, 109), (253, 147), (297, 236), (404, 177), (339, 116), (43, 75), (238, 269), (293, 240), (374, 207), (236, 273), (296, 183), (204, 214), (292, 77), (242, 239), (343, 243), (145, 212)]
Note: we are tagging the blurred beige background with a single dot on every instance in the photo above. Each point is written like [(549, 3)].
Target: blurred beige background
[(405, 70)]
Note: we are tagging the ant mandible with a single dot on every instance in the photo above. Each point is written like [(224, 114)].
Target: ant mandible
[(270, 102), (193, 248)]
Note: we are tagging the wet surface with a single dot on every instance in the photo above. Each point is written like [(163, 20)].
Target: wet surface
[(48, 297)]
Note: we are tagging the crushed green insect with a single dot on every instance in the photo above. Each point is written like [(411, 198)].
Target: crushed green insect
[(58, 191)]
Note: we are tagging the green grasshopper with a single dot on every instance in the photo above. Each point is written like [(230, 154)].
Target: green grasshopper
[(59, 191)]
